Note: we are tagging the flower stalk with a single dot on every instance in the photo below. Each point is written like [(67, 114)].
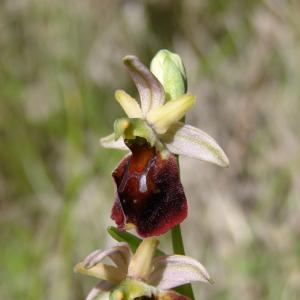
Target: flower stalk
[(178, 248)]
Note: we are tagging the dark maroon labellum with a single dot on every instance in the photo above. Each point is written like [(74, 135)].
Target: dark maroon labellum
[(149, 192)]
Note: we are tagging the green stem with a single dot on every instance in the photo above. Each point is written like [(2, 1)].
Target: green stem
[(177, 241), (178, 248)]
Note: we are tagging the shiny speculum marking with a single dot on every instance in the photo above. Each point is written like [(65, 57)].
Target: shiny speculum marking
[(141, 177)]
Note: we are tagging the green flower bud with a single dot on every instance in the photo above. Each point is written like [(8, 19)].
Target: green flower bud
[(169, 70)]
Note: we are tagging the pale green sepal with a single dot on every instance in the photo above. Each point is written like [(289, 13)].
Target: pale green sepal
[(101, 271), (129, 104), (169, 70), (129, 129), (161, 118), (175, 270), (110, 142), (150, 89), (187, 140)]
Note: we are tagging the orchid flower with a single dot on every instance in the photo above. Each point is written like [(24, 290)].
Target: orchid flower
[(149, 195), (140, 274)]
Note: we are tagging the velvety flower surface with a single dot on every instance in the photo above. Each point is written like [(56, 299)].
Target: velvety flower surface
[(140, 275), (149, 194)]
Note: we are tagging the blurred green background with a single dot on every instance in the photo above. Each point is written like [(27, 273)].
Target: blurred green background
[(60, 63)]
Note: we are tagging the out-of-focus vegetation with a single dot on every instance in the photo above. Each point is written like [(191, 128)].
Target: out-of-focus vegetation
[(60, 63)]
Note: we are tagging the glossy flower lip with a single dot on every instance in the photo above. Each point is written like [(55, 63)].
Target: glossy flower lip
[(149, 194), (140, 274)]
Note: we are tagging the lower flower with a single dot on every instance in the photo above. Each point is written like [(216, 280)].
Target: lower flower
[(140, 276)]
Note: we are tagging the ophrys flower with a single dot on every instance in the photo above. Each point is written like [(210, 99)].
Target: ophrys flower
[(140, 274), (149, 194)]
